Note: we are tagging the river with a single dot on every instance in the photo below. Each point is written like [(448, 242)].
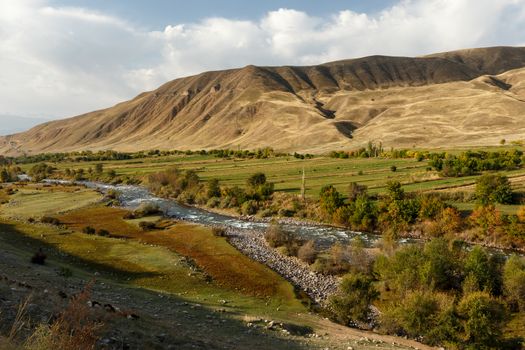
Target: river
[(132, 196)]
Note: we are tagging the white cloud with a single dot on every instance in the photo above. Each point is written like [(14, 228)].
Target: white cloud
[(65, 61)]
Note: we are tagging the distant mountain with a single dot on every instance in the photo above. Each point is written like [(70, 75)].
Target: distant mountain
[(467, 97), (10, 124)]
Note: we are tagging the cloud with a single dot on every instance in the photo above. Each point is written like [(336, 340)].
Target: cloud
[(63, 61)]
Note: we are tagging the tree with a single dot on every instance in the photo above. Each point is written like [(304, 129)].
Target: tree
[(352, 302), (440, 269), (99, 168), (395, 191), (355, 190), (514, 281), (4, 175), (493, 189), (307, 252), (483, 271), (484, 318), (330, 199), (214, 188), (256, 180)]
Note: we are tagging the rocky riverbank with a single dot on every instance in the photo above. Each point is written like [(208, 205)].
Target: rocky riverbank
[(252, 243)]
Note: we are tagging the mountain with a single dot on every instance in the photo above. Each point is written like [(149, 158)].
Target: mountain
[(10, 124), (467, 97)]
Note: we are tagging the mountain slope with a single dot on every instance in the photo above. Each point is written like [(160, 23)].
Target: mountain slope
[(452, 97)]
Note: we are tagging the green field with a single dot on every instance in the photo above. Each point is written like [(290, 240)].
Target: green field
[(286, 173)]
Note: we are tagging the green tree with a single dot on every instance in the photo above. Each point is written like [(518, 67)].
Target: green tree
[(440, 269), (514, 282), (395, 191), (214, 188), (256, 179), (483, 271), (330, 199), (484, 318), (493, 189), (352, 302)]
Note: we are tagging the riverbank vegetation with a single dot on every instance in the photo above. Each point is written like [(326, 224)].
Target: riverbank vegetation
[(440, 293), (393, 214)]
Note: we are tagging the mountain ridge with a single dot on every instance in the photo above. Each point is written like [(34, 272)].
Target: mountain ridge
[(296, 108)]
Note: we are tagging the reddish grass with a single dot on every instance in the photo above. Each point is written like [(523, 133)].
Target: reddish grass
[(214, 255), (104, 218)]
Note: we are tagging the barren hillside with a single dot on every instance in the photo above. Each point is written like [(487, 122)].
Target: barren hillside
[(468, 97)]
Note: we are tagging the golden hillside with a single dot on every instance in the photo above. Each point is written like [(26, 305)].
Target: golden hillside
[(461, 98)]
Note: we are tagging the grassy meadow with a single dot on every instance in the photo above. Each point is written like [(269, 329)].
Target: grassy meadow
[(184, 259), (286, 172)]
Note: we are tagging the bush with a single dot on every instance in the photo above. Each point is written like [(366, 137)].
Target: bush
[(39, 258), (352, 302), (103, 233), (50, 220), (147, 209), (129, 216), (89, 230), (277, 237), (213, 202), (307, 252), (147, 225), (218, 231), (249, 207)]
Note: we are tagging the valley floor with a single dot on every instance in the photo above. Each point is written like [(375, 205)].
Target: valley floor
[(177, 288)]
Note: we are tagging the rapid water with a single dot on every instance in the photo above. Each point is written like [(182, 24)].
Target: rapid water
[(133, 196)]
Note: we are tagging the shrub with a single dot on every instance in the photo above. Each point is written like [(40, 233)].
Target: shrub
[(147, 209), (352, 302), (129, 216), (103, 233), (147, 225), (39, 257), (218, 231), (249, 207), (307, 252), (277, 237), (50, 220), (89, 230), (213, 202)]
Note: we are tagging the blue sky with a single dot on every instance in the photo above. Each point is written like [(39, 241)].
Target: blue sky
[(155, 14), (62, 58)]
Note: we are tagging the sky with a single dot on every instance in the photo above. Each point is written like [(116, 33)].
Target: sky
[(62, 58)]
